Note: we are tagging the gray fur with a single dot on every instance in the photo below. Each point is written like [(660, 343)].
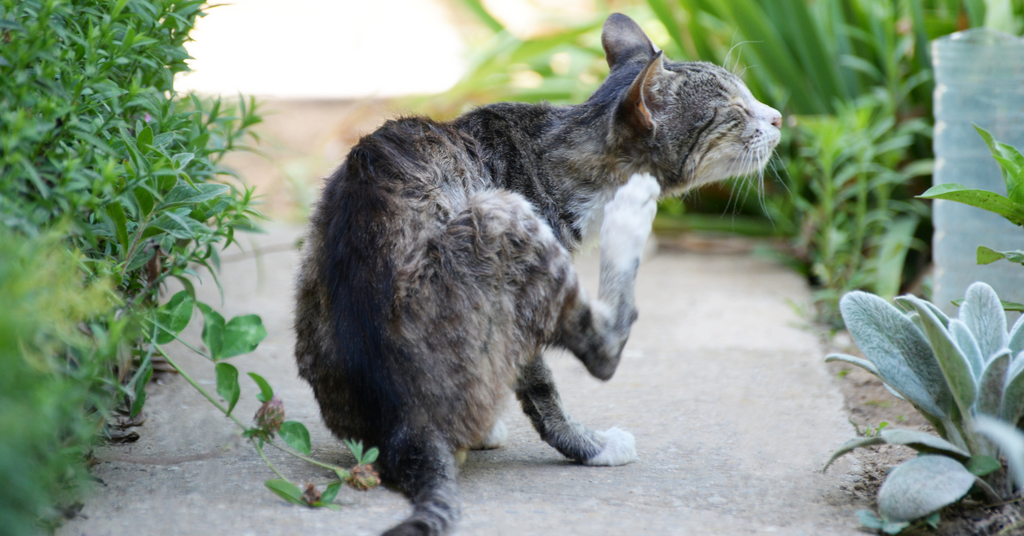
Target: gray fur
[(438, 264)]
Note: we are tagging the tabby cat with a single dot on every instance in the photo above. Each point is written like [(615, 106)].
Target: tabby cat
[(438, 264)]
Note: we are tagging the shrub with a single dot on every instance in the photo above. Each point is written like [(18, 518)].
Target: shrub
[(97, 148), (57, 342)]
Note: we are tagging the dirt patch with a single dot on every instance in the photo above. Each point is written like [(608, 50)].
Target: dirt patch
[(869, 405)]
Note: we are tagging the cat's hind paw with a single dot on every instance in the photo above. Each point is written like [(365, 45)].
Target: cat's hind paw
[(627, 220), (619, 448), (495, 439)]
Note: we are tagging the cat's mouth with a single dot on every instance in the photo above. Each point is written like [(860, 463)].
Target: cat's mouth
[(745, 159)]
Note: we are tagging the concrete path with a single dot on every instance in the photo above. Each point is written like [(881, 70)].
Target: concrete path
[(732, 408)]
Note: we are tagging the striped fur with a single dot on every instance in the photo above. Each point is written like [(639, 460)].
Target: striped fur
[(438, 263)]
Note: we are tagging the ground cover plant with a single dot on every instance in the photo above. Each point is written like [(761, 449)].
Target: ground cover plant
[(109, 188), (951, 371)]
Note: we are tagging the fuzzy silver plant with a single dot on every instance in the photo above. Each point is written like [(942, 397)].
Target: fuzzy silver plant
[(954, 371)]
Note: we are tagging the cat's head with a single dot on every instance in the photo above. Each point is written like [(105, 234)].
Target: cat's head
[(690, 122)]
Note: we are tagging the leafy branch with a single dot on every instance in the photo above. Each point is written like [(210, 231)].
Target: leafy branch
[(242, 334)]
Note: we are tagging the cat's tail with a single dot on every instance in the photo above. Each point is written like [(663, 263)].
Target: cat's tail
[(426, 469)]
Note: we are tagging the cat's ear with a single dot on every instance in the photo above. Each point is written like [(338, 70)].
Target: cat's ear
[(642, 103), (623, 40)]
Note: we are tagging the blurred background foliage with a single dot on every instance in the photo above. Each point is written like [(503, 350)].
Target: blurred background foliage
[(109, 186), (853, 79)]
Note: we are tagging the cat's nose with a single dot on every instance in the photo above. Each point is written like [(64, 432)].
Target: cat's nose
[(768, 114)]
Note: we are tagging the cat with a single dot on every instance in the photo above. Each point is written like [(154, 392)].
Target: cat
[(438, 264)]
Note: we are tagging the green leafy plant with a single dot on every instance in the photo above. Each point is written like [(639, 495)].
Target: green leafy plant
[(241, 334), (1010, 206), (101, 155), (952, 370), (858, 221), (58, 339)]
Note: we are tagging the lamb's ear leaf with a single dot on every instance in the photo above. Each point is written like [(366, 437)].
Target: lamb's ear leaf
[(990, 385), (1011, 409), (1009, 439), (954, 370), (921, 486), (642, 102), (623, 39), (853, 360), (854, 443), (923, 442), (897, 348), (965, 340), (983, 314), (1016, 338)]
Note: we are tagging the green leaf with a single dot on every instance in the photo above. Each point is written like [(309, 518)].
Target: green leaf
[(356, 447), (327, 497), (1011, 408), (145, 140), (982, 465), (988, 256), (923, 485), (144, 199), (990, 385), (984, 316), (370, 456), (869, 520), (242, 334), (213, 330), (186, 195), (117, 8), (922, 442), (286, 490), (1016, 343), (296, 435), (120, 221), (954, 366), (897, 348), (227, 384), (853, 360), (1009, 439), (478, 9), (173, 316), (983, 199), (141, 379), (266, 393), (968, 345), (854, 443)]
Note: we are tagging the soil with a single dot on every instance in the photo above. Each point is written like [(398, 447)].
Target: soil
[(870, 404)]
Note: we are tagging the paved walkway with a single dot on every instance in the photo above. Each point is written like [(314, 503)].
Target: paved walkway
[(733, 411)]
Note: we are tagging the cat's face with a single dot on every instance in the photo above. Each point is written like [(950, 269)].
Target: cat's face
[(695, 122)]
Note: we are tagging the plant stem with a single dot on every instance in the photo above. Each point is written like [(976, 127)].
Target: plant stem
[(307, 459), (259, 449), (238, 422), (196, 385)]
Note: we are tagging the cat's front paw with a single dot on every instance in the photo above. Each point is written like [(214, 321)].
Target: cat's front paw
[(627, 220), (619, 448)]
